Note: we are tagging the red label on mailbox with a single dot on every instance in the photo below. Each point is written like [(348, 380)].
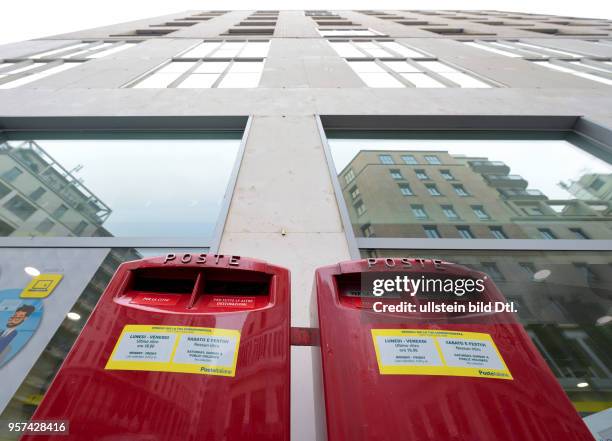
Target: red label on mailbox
[(156, 300), (231, 302)]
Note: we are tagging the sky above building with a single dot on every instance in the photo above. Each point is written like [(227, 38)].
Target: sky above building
[(31, 19)]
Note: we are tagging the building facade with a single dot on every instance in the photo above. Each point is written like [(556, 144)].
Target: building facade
[(310, 137)]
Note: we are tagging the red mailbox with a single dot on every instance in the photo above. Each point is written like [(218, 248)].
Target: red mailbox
[(183, 347), (426, 375)]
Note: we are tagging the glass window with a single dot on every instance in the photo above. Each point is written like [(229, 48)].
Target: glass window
[(355, 192), (409, 159), (86, 273), (367, 230), (349, 176), (202, 50), (373, 75), (4, 190), (346, 49), (486, 47), (37, 194), (465, 232), (546, 233), (166, 75), (406, 190), (431, 232), (419, 212), (111, 51), (12, 174), (401, 49), (529, 267), (228, 49), (60, 211), (48, 71), (52, 52), (500, 173), (565, 311), (446, 175), (45, 226), (460, 78), (243, 74), (20, 207), (421, 80), (566, 68), (493, 271), (21, 67), (70, 183), (433, 190), (450, 212), (347, 32), (360, 208), (396, 174), (580, 234), (372, 49), (385, 159), (255, 49), (498, 232), (421, 174), (80, 228), (480, 212), (460, 190), (432, 159)]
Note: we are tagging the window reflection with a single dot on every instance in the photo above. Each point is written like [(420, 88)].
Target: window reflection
[(564, 300), (129, 187), (500, 189)]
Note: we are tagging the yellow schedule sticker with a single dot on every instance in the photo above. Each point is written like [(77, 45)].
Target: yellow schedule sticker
[(41, 286), (437, 352), (187, 349)]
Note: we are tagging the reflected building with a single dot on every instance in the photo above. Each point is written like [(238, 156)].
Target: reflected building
[(591, 186), (438, 195), (39, 197), (561, 299), (563, 304)]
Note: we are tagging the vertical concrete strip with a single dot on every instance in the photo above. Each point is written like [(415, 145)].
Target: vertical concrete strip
[(284, 211)]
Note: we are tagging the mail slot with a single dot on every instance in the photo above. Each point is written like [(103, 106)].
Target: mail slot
[(179, 347), (436, 370)]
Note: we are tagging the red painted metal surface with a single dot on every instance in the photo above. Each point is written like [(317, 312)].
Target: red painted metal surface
[(126, 405), (361, 404)]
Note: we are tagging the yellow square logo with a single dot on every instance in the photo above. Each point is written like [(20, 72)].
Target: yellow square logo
[(41, 286)]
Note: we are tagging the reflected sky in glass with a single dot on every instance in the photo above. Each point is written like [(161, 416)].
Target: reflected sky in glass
[(155, 188)]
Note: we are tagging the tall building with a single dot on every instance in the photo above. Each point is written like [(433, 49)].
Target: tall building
[(431, 193), (39, 196), (309, 137)]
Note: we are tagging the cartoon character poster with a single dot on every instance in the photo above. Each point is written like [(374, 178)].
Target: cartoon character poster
[(19, 319)]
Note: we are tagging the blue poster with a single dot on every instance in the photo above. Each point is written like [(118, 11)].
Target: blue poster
[(19, 319)]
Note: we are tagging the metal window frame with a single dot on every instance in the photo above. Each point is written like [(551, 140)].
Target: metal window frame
[(86, 126), (414, 62), (570, 126), (197, 63)]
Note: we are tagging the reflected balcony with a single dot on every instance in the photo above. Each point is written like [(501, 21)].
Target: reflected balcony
[(487, 167), (506, 181)]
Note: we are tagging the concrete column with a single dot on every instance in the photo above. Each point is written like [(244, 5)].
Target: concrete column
[(284, 211)]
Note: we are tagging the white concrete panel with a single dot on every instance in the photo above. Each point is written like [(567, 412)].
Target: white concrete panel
[(302, 399), (283, 181)]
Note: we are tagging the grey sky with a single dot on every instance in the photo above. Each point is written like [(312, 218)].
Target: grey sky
[(153, 186), (29, 19)]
